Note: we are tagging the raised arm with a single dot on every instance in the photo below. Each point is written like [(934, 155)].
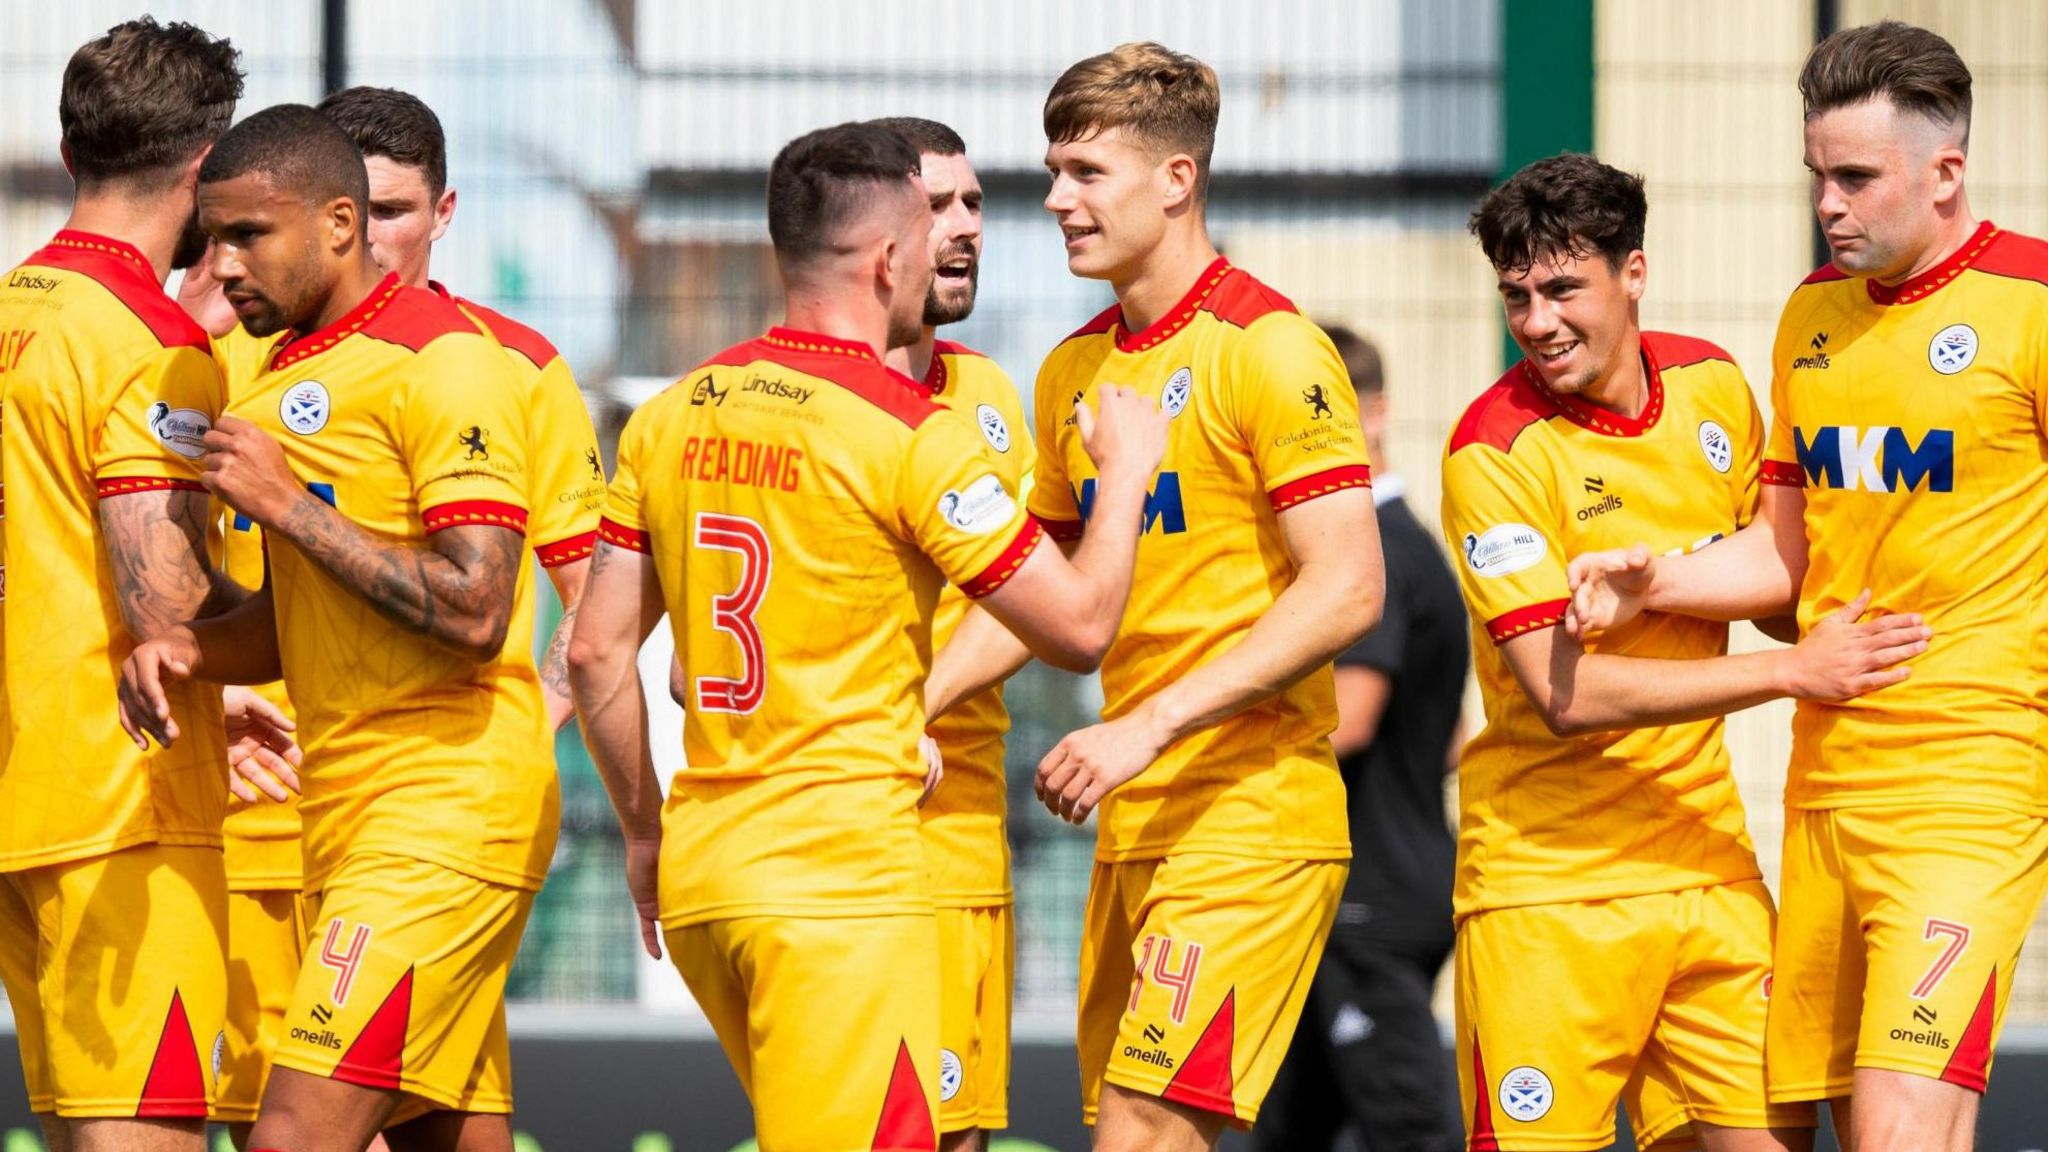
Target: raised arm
[(1754, 574)]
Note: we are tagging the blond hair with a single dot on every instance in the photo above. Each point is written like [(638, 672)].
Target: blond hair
[(1165, 101)]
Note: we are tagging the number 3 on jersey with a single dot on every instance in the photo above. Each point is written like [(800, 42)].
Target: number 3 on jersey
[(733, 612)]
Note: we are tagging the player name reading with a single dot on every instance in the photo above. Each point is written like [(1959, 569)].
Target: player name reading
[(745, 462)]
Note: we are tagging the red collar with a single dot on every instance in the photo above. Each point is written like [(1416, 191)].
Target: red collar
[(797, 340), (1177, 317), (935, 374), (1925, 284), (316, 342), (107, 245)]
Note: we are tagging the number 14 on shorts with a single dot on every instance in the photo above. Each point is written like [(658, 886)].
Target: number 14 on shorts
[(1170, 965)]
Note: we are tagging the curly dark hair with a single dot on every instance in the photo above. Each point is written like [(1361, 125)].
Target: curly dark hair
[(1570, 205)]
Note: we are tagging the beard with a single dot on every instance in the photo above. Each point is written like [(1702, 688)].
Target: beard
[(951, 301), (191, 245)]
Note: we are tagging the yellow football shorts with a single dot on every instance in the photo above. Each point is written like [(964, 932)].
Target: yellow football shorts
[(1194, 969), (266, 940), (116, 969), (1897, 943), (1656, 1002), (977, 954), (831, 1024), (402, 984)]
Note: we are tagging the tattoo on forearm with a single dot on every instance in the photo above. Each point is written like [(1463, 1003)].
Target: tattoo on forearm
[(457, 590), (156, 546), (554, 667)]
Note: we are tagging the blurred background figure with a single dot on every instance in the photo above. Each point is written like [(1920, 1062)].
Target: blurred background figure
[(1367, 1054)]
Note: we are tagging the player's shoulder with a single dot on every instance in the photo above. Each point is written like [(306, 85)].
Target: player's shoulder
[(1497, 417), (849, 368), (1670, 351), (123, 277), (958, 367), (416, 319), (1242, 300), (2015, 256), (516, 337)]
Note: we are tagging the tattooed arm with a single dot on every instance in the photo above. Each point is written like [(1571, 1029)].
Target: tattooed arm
[(457, 590), (554, 666), (156, 545)]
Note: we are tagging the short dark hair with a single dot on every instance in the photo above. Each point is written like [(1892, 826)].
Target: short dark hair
[(929, 137), (144, 97), (298, 148), (395, 125), (1361, 360), (1569, 204), (823, 180), (1915, 69)]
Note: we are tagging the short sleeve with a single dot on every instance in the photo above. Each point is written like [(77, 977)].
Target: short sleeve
[(957, 510), (152, 433), (1051, 496), (464, 428), (568, 477), (1503, 530), (1296, 410), (624, 523), (1781, 451)]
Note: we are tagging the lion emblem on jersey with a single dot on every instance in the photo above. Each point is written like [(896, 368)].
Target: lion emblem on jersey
[(596, 469), (477, 441), (1318, 403)]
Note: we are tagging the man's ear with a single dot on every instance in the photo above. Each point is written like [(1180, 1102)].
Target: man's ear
[(444, 214), (344, 221), (1181, 179)]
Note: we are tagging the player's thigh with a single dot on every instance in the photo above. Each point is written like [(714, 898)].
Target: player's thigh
[(1305, 1106), (1817, 965), (266, 940), (702, 955), (843, 1021), (1555, 1003), (1705, 1059), (1108, 957), (1949, 896), (402, 983), (1226, 949), (22, 940), (133, 984), (976, 946)]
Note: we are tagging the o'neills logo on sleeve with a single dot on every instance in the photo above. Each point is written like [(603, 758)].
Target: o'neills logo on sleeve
[(1503, 548)]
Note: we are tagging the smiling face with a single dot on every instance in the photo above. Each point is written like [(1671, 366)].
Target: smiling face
[(955, 195), (1111, 197), (271, 250), (1573, 316), (1881, 181)]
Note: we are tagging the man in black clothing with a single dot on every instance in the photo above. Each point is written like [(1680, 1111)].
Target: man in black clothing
[(1367, 1052)]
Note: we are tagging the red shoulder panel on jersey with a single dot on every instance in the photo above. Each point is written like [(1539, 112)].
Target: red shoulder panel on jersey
[(2016, 256), (1321, 484), (1004, 566), (1104, 321), (567, 551), (1824, 274), (1668, 350), (511, 333), (619, 536), (1241, 299), (415, 318), (128, 277), (106, 486), (1781, 473), (321, 339), (852, 367), (1064, 531), (1501, 412), (456, 513), (1508, 625)]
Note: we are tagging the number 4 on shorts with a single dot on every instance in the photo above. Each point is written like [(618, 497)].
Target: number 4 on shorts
[(1958, 939)]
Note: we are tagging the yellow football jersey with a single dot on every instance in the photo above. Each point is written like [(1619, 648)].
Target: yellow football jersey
[(803, 505), (963, 821), (1914, 418), (106, 388), (409, 421), (1532, 479), (1263, 418)]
